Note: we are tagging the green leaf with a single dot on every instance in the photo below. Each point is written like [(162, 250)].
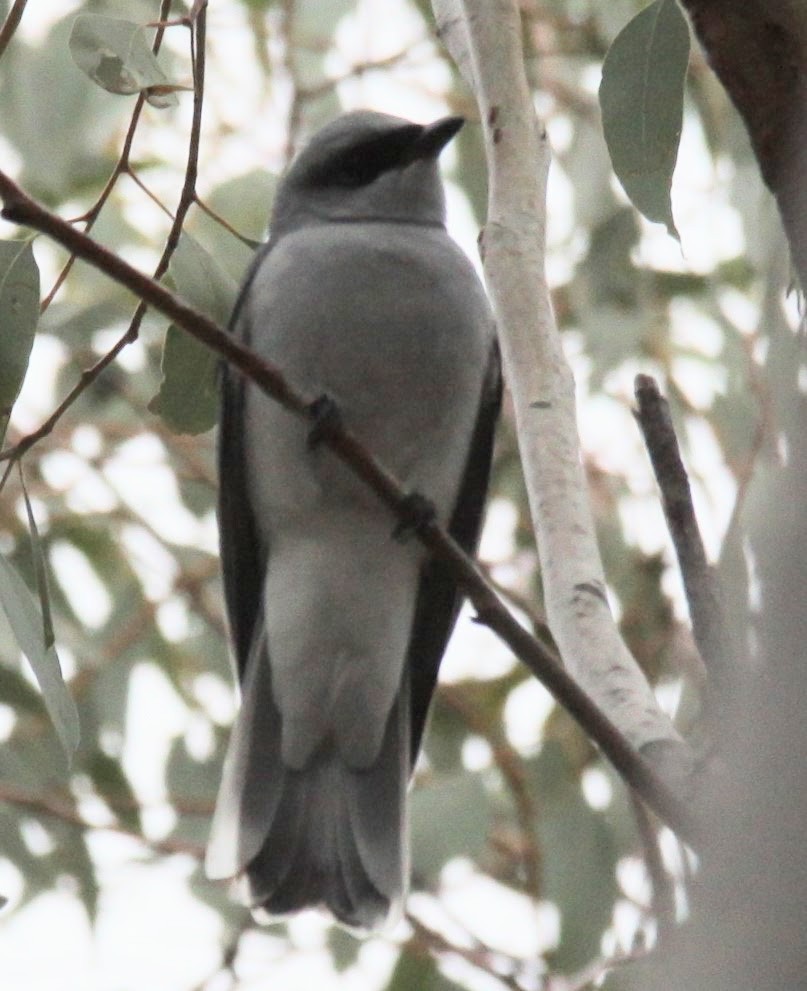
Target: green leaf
[(40, 569), (19, 313), (112, 785), (61, 128), (17, 692), (418, 972), (579, 856), (187, 397), (344, 947), (192, 786), (187, 400), (27, 624), (642, 101), (450, 818), (115, 54)]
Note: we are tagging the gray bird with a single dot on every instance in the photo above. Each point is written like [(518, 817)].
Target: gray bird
[(338, 627)]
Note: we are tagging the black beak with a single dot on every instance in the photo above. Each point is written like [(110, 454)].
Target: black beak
[(434, 137)]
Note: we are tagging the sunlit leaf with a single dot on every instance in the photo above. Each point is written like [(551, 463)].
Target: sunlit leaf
[(642, 100)]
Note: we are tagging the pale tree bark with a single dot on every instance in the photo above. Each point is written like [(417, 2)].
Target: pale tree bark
[(484, 38)]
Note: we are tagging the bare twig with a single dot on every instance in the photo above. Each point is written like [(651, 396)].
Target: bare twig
[(700, 581), (663, 889), (63, 808), (122, 166), (87, 377), (11, 23), (630, 764), (186, 200), (427, 941)]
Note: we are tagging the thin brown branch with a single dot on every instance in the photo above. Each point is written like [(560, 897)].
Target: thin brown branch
[(222, 222), (122, 166), (700, 580), (662, 884), (64, 809), (428, 942), (87, 377), (630, 764), (11, 24), (186, 200)]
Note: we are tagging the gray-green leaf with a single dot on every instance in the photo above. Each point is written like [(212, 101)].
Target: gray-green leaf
[(115, 54), (187, 397), (642, 100), (26, 621), (19, 313), (450, 817)]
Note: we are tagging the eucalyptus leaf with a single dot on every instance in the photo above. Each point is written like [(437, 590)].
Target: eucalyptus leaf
[(19, 314), (113, 785), (418, 972), (579, 875), (344, 947), (27, 624), (642, 101), (60, 127), (450, 818), (187, 399), (115, 54)]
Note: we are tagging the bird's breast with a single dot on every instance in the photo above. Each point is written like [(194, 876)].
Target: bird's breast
[(392, 323)]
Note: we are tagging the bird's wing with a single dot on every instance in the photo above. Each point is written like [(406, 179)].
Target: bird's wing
[(243, 555), (438, 599)]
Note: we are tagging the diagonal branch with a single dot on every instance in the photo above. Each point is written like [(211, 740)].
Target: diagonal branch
[(700, 580), (630, 764)]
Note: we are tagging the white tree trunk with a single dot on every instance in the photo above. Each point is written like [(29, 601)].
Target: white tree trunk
[(484, 38)]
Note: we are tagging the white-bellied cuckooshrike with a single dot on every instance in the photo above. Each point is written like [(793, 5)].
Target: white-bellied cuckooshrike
[(338, 627)]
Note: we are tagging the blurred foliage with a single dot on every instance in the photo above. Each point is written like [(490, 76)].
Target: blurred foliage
[(125, 504)]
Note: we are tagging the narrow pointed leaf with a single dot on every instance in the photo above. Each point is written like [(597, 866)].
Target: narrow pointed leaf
[(642, 101), (27, 624), (19, 313), (40, 570)]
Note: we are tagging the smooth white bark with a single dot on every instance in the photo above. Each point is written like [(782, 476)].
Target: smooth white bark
[(484, 38)]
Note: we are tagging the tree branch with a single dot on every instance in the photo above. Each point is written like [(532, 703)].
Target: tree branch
[(630, 764), (700, 580), (11, 23), (186, 200), (485, 39)]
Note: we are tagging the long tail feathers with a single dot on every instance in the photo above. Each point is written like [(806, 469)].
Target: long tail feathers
[(327, 835)]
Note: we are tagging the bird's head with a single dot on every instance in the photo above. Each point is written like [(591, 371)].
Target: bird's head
[(366, 166)]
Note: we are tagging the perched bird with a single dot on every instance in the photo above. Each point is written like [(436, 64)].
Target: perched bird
[(338, 626)]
